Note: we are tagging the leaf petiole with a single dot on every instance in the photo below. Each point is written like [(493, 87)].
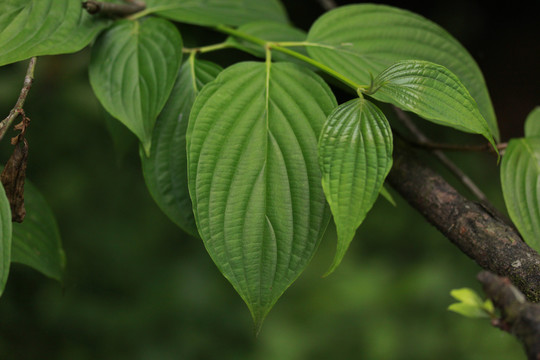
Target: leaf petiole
[(283, 48), (207, 49)]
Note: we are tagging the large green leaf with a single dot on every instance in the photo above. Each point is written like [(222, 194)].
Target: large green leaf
[(363, 39), (165, 170), (433, 92), (218, 12), (132, 71), (520, 180), (44, 27), (5, 238), (532, 123), (355, 155), (36, 241), (254, 177)]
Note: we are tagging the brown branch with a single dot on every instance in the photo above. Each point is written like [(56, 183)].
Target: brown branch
[(478, 232), (430, 145), (114, 10), (18, 108), (328, 4), (518, 316)]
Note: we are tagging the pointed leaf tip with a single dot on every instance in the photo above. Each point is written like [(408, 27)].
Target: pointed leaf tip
[(358, 39), (254, 178), (355, 156), (434, 93)]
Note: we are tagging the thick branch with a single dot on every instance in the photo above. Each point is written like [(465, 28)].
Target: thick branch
[(475, 230), (518, 317)]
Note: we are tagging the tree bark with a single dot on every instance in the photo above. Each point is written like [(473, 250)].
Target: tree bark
[(518, 317), (475, 230)]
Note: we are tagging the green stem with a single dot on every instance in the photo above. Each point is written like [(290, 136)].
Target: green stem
[(326, 69), (231, 31), (282, 47), (208, 48)]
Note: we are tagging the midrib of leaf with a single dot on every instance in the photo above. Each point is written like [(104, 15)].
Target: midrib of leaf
[(232, 179), (532, 154), (192, 72), (136, 31)]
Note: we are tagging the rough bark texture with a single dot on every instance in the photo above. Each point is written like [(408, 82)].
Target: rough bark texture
[(518, 317), (476, 231)]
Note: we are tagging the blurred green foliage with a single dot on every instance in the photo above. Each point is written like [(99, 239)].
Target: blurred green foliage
[(138, 288)]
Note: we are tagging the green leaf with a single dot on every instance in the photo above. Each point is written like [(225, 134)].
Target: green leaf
[(532, 123), (165, 170), (520, 181), (355, 155), (467, 296), (388, 196), (467, 310), (132, 71), (36, 241), (470, 304), (363, 39), (254, 177), (218, 12), (45, 27), (432, 92), (5, 238), (269, 31)]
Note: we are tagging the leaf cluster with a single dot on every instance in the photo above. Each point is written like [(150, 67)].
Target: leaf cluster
[(257, 158)]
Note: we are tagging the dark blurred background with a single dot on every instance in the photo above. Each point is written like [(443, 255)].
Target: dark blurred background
[(138, 288)]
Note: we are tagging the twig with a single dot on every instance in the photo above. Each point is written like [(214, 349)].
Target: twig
[(328, 4), (114, 10), (458, 173), (518, 316), (430, 145), (18, 108)]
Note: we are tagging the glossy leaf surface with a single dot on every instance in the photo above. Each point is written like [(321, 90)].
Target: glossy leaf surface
[(520, 180), (132, 71), (44, 27), (5, 238), (254, 177), (361, 40), (36, 241), (165, 170), (218, 12), (355, 155), (432, 92)]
